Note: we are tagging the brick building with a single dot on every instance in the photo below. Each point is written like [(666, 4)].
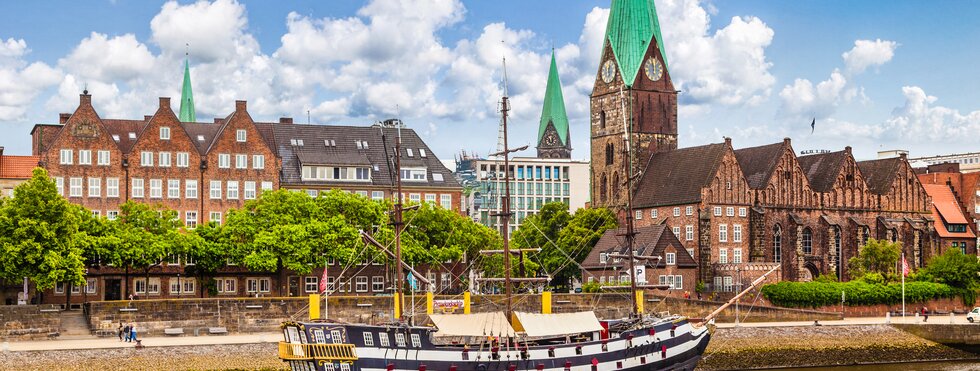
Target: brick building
[(677, 268), (738, 212), (956, 198)]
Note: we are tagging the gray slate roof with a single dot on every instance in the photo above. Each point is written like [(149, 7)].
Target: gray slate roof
[(677, 177), (650, 240)]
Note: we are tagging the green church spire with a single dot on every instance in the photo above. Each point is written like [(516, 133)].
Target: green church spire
[(632, 25), (187, 113), (553, 110)]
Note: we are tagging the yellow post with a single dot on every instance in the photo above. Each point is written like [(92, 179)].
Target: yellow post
[(466, 302), (398, 308), (546, 302), (639, 301), (314, 306), (428, 302)]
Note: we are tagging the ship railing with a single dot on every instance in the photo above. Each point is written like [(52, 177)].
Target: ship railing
[(331, 352)]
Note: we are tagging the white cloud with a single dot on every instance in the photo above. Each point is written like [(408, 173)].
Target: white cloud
[(101, 58), (20, 82), (803, 99), (727, 66), (211, 30), (868, 53)]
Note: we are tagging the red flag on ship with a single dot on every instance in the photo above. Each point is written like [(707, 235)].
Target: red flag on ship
[(905, 266), (323, 281)]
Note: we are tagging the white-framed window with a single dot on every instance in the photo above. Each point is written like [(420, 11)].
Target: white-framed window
[(422, 152), (728, 283), (240, 135), (653, 214), (103, 157), (723, 256), (416, 340), (215, 189), (736, 256), (75, 187), (689, 232), (377, 195), (151, 288), (690, 251), (446, 201), (361, 284), (400, 339), (138, 188), (415, 198), (639, 214), (311, 283), (91, 285), (736, 233), (173, 188), (410, 153), (741, 212), (677, 231), (164, 133), (224, 161), (232, 190), (156, 188), (241, 161), (146, 158), (111, 187), (414, 175), (84, 157), (266, 186), (190, 219), (59, 184), (430, 198), (215, 216), (678, 282), (677, 211), (96, 213), (164, 159), (182, 286), (729, 211), (603, 258), (723, 233), (65, 157), (112, 214), (671, 258), (689, 210), (368, 339), (254, 285), (183, 159), (717, 210), (249, 192), (95, 187), (258, 161), (227, 285), (383, 339), (378, 283), (190, 188)]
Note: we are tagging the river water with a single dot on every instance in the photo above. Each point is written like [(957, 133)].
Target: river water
[(915, 366)]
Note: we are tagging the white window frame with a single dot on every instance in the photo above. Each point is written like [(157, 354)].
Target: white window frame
[(266, 186), (146, 158), (723, 256), (164, 159), (75, 187), (689, 233), (677, 232), (241, 135), (215, 216), (94, 187), (215, 190), (224, 161), (164, 133), (241, 161), (103, 158), (678, 282), (361, 284), (311, 281), (249, 190), (258, 162), (59, 185), (736, 255), (232, 190), (190, 188), (717, 210), (742, 212), (446, 201), (84, 157), (689, 210), (671, 258), (183, 159), (173, 188), (677, 211), (736, 233), (723, 233), (653, 214), (190, 219), (730, 211), (138, 188), (639, 214), (66, 157), (156, 188)]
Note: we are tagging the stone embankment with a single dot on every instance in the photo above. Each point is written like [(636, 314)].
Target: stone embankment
[(206, 357), (819, 346)]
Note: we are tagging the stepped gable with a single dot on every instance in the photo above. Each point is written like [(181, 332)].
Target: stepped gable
[(822, 169), (879, 175), (759, 163), (678, 176), (651, 240)]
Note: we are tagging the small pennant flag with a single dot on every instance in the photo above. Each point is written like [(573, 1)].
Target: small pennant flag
[(905, 266), (323, 281)]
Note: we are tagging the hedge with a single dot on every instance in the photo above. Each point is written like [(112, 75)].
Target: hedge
[(818, 294)]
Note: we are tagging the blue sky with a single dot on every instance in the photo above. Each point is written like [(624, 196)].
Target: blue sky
[(874, 74)]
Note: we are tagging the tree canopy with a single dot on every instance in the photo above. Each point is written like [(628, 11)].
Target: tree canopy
[(876, 256)]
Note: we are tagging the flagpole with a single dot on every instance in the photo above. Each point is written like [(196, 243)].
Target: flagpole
[(903, 285)]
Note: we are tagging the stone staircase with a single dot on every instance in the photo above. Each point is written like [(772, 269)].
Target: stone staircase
[(74, 325)]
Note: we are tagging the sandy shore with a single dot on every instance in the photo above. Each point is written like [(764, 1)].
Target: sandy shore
[(747, 347), (203, 357)]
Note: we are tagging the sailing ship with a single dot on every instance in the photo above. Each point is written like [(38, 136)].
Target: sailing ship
[(506, 340)]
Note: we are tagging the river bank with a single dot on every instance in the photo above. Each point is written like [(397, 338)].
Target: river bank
[(262, 356), (819, 346)]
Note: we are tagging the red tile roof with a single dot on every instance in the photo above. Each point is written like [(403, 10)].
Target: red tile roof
[(18, 167), (946, 208)]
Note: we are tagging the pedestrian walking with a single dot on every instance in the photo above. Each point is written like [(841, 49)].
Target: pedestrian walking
[(128, 331), (119, 331), (925, 314), (133, 334)]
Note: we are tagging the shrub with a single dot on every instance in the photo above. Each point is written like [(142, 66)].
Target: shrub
[(818, 294), (591, 287)]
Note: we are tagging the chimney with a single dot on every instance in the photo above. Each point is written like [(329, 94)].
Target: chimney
[(847, 149), (786, 140), (63, 118), (218, 120), (165, 102), (904, 156), (240, 106), (147, 117), (285, 120), (728, 141), (85, 99)]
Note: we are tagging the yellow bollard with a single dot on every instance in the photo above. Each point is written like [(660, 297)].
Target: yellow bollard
[(639, 301), (466, 302), (398, 307), (314, 307), (428, 302), (546, 302)]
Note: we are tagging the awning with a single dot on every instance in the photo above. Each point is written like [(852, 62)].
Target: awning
[(475, 324), (538, 325)]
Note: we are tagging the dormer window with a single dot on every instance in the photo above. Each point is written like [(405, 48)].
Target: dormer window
[(296, 142), (115, 137), (164, 133), (240, 135), (413, 174), (422, 152), (410, 154), (200, 138), (132, 135)]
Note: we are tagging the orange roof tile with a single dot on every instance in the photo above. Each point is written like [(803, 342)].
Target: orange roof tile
[(946, 208), (18, 167)]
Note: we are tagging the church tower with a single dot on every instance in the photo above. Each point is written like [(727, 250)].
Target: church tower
[(633, 104), (553, 140)]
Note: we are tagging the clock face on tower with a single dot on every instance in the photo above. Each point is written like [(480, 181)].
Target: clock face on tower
[(550, 140), (608, 71), (653, 69)]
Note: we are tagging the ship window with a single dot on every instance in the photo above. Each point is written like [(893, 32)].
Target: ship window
[(345, 367), (400, 339), (383, 339), (416, 341), (335, 334), (368, 339), (328, 367), (318, 336)]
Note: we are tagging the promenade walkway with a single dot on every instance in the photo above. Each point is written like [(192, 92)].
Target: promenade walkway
[(943, 319), (109, 343)]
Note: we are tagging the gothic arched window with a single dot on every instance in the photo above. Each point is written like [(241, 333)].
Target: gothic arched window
[(777, 243), (603, 184), (807, 242), (610, 153), (602, 119)]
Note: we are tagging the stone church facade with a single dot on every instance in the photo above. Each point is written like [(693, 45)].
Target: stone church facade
[(738, 212)]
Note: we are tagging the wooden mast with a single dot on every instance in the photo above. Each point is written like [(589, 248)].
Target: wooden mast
[(630, 232), (397, 222)]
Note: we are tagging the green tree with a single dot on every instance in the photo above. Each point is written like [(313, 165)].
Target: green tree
[(40, 235), (876, 256), (953, 268), (144, 236), (209, 252)]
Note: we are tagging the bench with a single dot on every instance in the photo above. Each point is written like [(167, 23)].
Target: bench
[(217, 330), (177, 331)]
